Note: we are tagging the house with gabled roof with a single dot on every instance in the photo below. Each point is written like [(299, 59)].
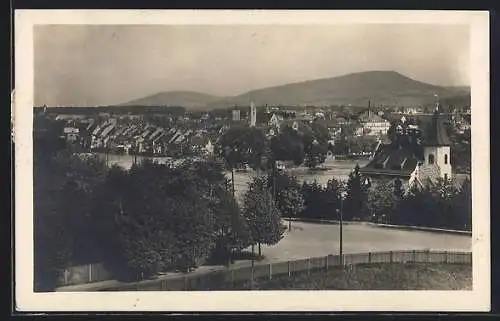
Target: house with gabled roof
[(411, 159), (107, 131), (373, 124)]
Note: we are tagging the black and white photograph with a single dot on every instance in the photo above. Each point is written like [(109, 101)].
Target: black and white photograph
[(237, 158)]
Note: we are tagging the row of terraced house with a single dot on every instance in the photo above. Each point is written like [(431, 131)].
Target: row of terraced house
[(142, 138)]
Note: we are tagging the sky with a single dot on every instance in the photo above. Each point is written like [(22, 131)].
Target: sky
[(90, 65)]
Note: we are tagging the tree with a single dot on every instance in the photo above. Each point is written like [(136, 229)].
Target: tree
[(261, 213), (230, 226), (160, 218), (243, 145), (64, 189), (382, 201), (356, 204), (289, 197), (287, 146), (316, 154), (321, 202), (332, 195), (398, 189), (463, 205), (315, 140), (313, 200), (438, 204)]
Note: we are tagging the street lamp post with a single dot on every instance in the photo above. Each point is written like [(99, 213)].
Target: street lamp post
[(341, 222), (340, 232)]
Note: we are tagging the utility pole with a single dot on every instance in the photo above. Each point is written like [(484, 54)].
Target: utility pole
[(232, 181), (340, 231)]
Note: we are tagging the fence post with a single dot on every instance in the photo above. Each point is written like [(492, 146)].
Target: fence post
[(427, 256), (232, 278), (289, 269), (446, 257), (66, 281), (308, 266), (90, 273), (270, 271), (369, 257), (185, 283), (391, 257), (326, 263), (414, 256)]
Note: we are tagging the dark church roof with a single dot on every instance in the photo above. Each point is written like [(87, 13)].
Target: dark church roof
[(394, 160), (401, 157), (436, 134)]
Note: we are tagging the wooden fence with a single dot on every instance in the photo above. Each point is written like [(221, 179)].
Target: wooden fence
[(227, 278), (83, 274)]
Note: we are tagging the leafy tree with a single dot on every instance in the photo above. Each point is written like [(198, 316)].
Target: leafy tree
[(382, 201), (160, 218), (261, 213), (332, 196), (287, 145), (315, 154), (231, 229), (315, 140), (438, 204), (243, 145), (313, 200), (289, 197), (64, 186), (320, 132), (398, 189), (321, 202), (463, 205), (356, 204)]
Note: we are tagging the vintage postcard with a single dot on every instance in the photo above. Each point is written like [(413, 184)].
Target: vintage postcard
[(251, 160)]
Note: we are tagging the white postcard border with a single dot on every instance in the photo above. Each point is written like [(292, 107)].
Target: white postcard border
[(476, 300)]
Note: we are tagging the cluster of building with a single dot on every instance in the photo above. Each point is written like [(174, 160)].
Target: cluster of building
[(414, 157), (119, 134), (138, 137), (367, 123)]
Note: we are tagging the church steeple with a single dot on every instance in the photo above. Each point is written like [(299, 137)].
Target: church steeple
[(436, 134), (437, 145)]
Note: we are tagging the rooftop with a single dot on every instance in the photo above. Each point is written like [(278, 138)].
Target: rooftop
[(394, 159), (436, 133)]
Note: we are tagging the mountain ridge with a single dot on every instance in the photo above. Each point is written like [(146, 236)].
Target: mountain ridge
[(173, 98), (380, 87)]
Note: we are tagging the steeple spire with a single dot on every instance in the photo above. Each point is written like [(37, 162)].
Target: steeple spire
[(437, 134)]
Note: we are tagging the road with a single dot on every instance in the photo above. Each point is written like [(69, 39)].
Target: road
[(314, 240), (308, 240)]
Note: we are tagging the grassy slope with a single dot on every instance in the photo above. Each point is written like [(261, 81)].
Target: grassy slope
[(376, 277)]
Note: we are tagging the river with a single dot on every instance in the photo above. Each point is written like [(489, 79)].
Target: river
[(338, 169)]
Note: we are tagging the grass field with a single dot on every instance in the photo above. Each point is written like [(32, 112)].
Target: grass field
[(374, 277)]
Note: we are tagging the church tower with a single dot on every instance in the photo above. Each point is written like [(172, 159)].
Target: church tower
[(253, 115), (437, 146)]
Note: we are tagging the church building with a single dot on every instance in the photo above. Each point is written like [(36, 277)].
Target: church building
[(413, 156)]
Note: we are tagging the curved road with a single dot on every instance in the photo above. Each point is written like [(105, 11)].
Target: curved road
[(316, 240)]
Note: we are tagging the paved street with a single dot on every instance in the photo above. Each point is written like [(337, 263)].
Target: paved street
[(315, 240)]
